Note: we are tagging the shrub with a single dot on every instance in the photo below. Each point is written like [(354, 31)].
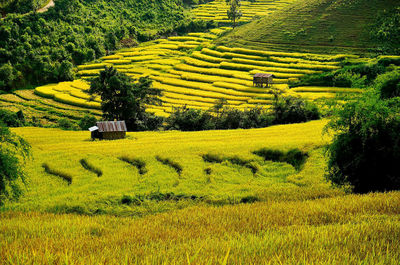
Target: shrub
[(187, 119), (66, 124), (365, 151), (87, 121), (388, 84), (12, 119), (288, 109)]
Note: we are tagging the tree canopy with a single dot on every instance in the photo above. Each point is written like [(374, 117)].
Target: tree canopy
[(123, 98)]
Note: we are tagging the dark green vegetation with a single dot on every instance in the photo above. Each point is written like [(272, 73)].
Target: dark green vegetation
[(357, 73), (20, 6), (122, 99), (13, 152), (43, 48), (322, 26), (55, 172), (12, 119), (286, 109), (294, 157), (365, 151)]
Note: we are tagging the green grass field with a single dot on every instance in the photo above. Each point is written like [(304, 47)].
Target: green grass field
[(162, 217), (314, 26)]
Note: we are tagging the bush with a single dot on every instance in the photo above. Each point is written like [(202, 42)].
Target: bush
[(290, 109), (12, 119), (66, 124), (365, 151), (388, 84), (187, 119), (87, 121)]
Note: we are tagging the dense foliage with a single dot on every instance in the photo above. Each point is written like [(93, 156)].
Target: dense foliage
[(353, 74), (286, 109), (122, 99), (387, 30), (20, 6), (366, 147), (42, 48), (13, 150)]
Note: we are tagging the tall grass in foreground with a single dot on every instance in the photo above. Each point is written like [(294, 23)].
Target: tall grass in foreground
[(350, 229)]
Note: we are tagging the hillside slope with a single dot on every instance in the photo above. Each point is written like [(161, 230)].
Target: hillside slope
[(314, 25)]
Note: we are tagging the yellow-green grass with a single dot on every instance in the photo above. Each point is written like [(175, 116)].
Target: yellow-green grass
[(327, 89), (299, 218), (62, 150), (65, 93), (322, 26), (197, 92), (213, 73)]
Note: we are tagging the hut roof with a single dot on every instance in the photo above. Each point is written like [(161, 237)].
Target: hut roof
[(111, 126), (263, 75)]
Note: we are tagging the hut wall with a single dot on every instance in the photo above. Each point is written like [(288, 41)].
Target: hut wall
[(113, 135)]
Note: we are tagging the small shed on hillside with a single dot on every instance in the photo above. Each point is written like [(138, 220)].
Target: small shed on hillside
[(109, 130), (260, 79)]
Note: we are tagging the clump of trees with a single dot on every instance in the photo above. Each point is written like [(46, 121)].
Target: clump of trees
[(124, 99), (285, 109), (365, 151), (352, 74), (43, 48)]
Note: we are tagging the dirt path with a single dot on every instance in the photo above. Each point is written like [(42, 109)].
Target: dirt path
[(44, 9)]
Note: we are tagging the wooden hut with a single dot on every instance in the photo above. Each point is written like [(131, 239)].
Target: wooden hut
[(109, 130), (260, 79)]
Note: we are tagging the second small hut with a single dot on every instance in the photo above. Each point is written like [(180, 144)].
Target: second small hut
[(260, 79)]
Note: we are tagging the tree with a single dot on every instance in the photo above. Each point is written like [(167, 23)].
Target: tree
[(365, 151), (123, 99), (13, 152), (233, 12)]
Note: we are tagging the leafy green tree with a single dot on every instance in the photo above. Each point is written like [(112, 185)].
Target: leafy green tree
[(234, 14), (365, 151), (13, 152), (123, 99)]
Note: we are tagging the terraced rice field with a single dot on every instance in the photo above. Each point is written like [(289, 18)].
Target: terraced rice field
[(216, 10), (193, 72), (43, 111)]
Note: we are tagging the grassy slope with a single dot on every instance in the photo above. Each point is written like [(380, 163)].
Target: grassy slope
[(314, 25), (301, 219), (227, 183)]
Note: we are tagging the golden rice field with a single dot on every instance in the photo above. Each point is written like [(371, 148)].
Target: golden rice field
[(216, 10), (296, 218), (192, 71)]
